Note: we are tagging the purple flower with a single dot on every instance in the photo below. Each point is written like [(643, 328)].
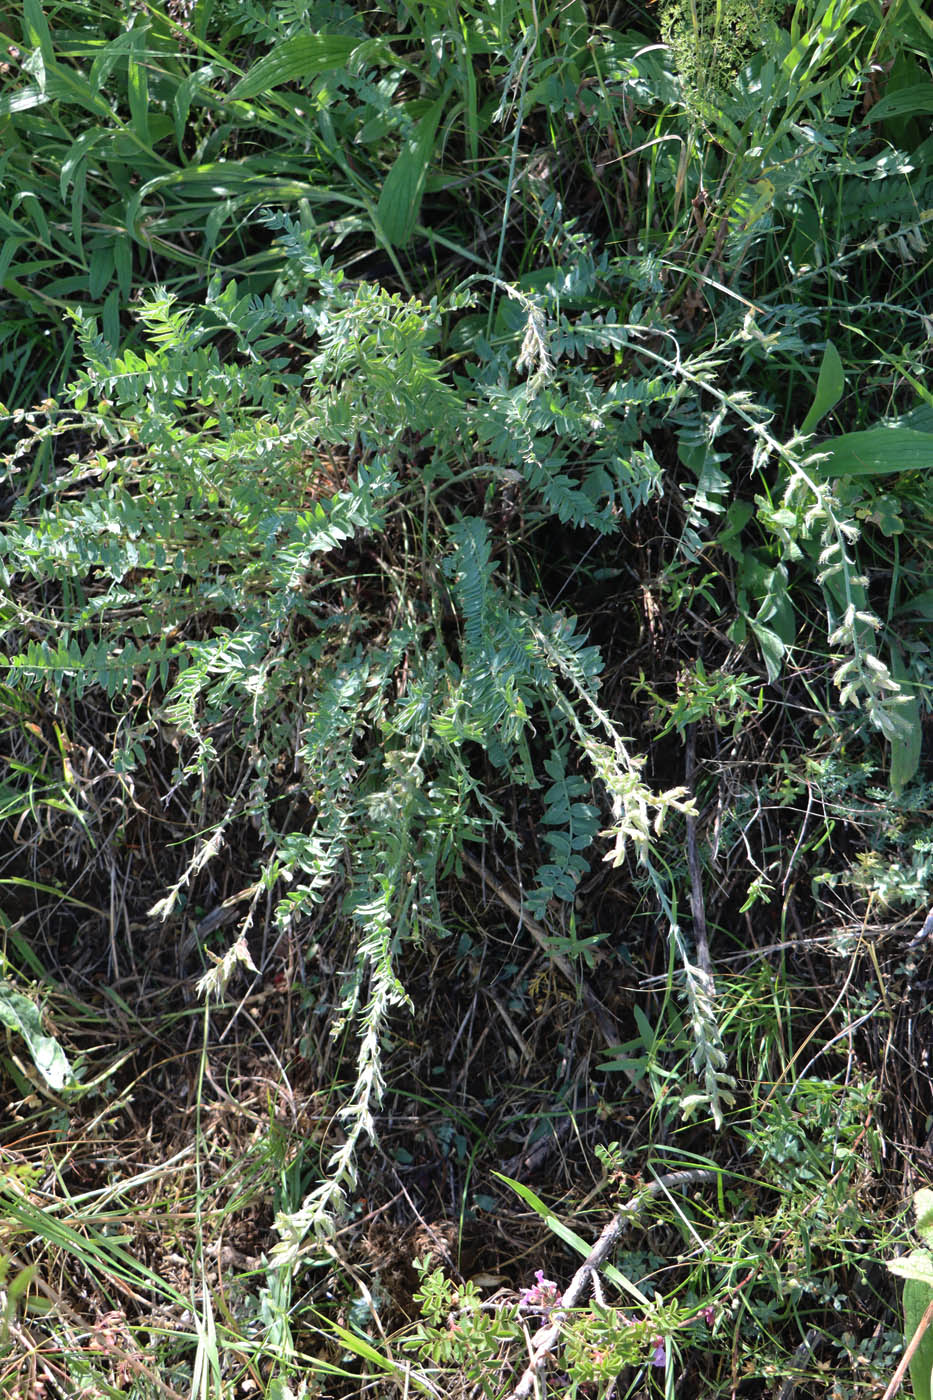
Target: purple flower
[(545, 1294), (709, 1316), (660, 1355)]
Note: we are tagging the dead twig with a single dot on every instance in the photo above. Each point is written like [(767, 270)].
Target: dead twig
[(546, 1339)]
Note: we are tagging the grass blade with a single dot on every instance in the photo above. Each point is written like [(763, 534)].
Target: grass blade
[(400, 201)]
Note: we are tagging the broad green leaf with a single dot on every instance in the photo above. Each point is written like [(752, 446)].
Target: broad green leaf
[(911, 101), (916, 1300), (829, 387), (138, 86), (22, 99), (729, 538), (916, 1267), (885, 512), (768, 586), (123, 263), (21, 1015), (877, 451), (361, 1347), (468, 71), (110, 317), (738, 631), (70, 85), (400, 201), (772, 648), (625, 1065), (107, 58), (295, 60), (921, 416), (8, 251), (33, 207), (101, 270), (184, 96), (649, 1035), (905, 760), (923, 19), (74, 172), (37, 29)]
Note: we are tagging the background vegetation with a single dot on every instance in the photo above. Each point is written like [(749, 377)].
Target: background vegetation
[(465, 592)]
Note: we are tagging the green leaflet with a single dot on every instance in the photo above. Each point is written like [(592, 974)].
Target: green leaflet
[(570, 828)]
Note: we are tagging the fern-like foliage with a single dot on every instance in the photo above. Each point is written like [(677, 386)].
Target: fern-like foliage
[(571, 825), (258, 518), (256, 537)]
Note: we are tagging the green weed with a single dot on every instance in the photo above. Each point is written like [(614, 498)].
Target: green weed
[(447, 445)]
